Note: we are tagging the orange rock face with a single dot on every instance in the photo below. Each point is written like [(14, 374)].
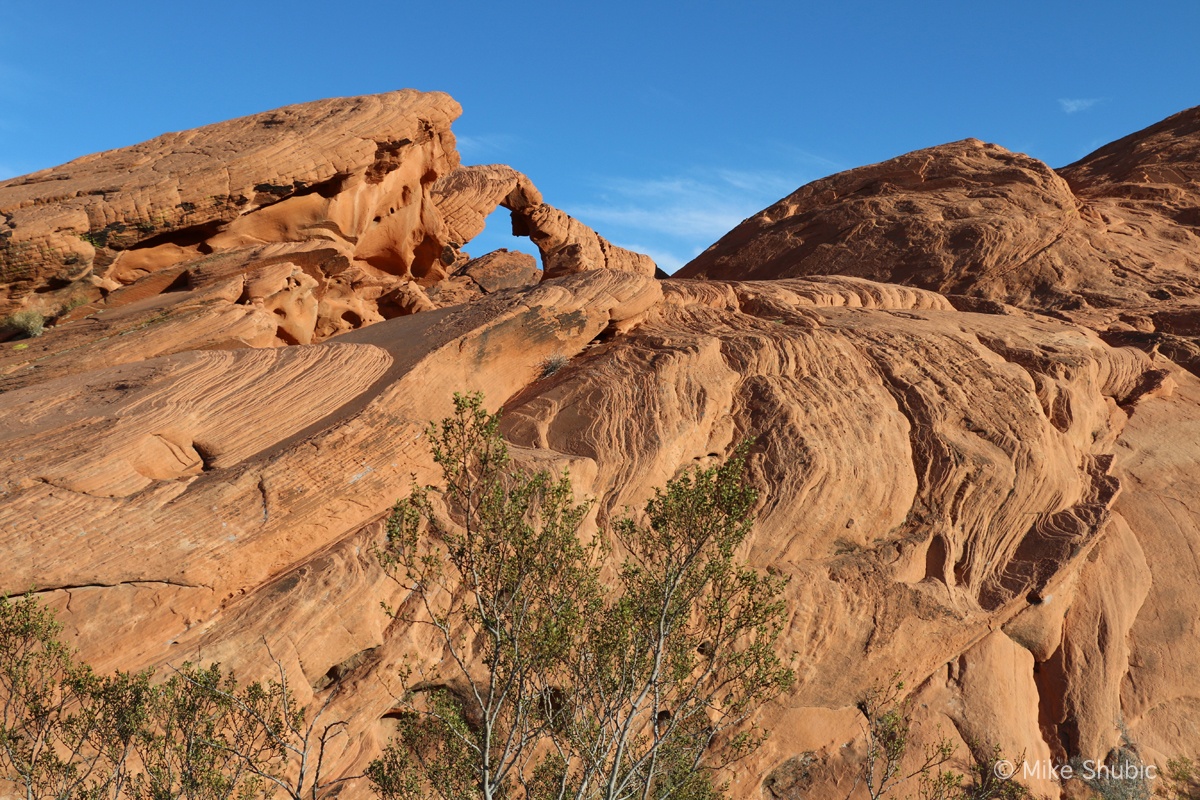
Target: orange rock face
[(313, 220), (975, 443), (567, 246), (1117, 230)]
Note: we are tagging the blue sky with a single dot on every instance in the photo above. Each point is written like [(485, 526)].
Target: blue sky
[(661, 125)]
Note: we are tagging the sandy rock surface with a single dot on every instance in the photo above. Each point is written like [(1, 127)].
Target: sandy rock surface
[(313, 220), (967, 375), (1112, 241)]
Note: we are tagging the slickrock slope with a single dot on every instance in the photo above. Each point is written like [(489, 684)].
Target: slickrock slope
[(342, 166), (1116, 235), (289, 227), (999, 504), (967, 216), (1112, 243), (926, 470)]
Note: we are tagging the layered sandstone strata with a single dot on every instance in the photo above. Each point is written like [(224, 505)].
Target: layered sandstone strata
[(975, 444)]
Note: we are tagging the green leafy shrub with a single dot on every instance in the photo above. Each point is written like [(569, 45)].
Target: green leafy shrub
[(1180, 780), (66, 732), (27, 323), (640, 690), (887, 766)]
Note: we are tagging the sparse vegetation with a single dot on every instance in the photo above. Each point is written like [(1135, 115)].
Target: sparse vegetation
[(553, 364), (120, 234), (887, 766), (888, 728), (844, 546), (1180, 780), (643, 694), (986, 783), (28, 322), (66, 732), (73, 302), (553, 685), (97, 239), (640, 690), (1124, 776)]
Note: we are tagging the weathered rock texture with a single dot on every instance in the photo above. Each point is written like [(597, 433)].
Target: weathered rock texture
[(997, 503), (1112, 241), (469, 194), (1117, 229), (313, 219)]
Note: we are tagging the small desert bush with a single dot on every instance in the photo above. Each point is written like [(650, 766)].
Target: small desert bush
[(28, 322), (1180, 780), (553, 364)]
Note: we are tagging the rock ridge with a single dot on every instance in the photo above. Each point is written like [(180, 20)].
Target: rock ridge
[(975, 441)]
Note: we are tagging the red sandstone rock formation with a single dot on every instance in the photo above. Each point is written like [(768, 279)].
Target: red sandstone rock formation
[(311, 220), (468, 195), (1118, 230), (997, 502)]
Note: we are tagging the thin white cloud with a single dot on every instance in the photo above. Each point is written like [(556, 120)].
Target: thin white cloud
[(475, 147), (759, 182), (819, 163), (1077, 104), (703, 218), (673, 218), (668, 261), (699, 208)]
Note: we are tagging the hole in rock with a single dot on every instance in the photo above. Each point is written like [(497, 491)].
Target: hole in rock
[(960, 570), (190, 236), (498, 232), (181, 283), (286, 337), (326, 188), (426, 254), (206, 456), (339, 671), (1060, 733), (935, 559), (388, 308), (607, 335)]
